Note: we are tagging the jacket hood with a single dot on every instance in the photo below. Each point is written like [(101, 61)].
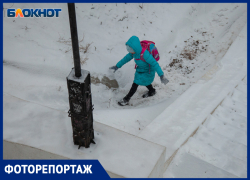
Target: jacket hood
[(135, 44)]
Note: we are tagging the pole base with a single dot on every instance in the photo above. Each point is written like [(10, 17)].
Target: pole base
[(81, 108)]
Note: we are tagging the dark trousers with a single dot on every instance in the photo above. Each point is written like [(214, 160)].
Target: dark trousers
[(134, 88)]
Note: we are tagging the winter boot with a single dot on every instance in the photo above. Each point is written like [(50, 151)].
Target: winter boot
[(123, 102), (148, 94)]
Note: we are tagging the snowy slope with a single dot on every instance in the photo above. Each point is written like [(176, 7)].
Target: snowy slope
[(221, 142), (42, 57), (181, 119), (191, 38)]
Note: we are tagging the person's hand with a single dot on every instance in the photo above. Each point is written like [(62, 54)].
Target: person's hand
[(114, 68), (164, 80)]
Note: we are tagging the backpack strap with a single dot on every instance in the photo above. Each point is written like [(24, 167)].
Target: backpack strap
[(145, 45), (141, 57), (142, 52)]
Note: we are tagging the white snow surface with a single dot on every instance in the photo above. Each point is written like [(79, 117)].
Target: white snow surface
[(207, 42), (221, 142)]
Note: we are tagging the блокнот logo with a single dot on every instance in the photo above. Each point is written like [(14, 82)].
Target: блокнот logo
[(33, 13)]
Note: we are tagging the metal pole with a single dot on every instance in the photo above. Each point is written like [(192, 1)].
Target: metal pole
[(74, 39)]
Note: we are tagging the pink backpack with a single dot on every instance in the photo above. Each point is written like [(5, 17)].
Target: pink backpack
[(145, 44)]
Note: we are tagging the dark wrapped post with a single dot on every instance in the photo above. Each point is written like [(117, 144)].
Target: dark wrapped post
[(79, 88), (74, 39)]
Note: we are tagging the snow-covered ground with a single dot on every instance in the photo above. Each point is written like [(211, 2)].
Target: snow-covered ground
[(219, 147), (181, 119), (191, 39)]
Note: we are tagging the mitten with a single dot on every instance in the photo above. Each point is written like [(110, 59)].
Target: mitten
[(164, 80), (114, 68)]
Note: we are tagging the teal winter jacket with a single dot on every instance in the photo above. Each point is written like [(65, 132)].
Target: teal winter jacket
[(144, 74)]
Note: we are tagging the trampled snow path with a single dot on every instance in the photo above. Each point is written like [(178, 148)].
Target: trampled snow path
[(219, 147)]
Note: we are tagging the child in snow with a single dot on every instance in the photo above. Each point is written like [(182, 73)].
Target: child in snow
[(145, 71)]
